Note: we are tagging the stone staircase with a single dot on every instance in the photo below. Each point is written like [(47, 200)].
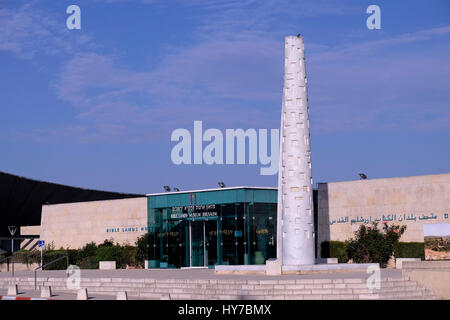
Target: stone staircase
[(232, 289)]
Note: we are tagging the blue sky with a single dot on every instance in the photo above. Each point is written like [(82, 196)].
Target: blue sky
[(436, 229), (95, 107)]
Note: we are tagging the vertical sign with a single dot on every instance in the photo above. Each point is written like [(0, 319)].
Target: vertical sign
[(41, 245), (12, 231)]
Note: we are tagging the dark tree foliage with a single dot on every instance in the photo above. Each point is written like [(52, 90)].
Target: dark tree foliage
[(372, 245), (142, 249)]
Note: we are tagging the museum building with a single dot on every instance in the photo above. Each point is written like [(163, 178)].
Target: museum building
[(237, 225)]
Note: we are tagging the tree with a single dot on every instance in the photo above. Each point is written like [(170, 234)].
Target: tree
[(142, 249), (371, 245)]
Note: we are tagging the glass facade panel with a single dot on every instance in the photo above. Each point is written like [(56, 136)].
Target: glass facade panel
[(211, 242), (198, 243)]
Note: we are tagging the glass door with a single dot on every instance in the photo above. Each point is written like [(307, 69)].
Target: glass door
[(197, 243), (212, 247)]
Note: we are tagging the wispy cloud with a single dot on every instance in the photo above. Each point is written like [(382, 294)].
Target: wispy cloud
[(28, 31), (230, 75), (398, 82), (211, 82), (348, 52)]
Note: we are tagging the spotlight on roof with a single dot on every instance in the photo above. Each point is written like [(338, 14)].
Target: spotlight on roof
[(363, 176), (221, 184), (176, 189), (167, 188)]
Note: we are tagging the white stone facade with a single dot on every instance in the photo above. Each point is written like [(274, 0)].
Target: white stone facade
[(411, 201), (72, 225), (295, 204)]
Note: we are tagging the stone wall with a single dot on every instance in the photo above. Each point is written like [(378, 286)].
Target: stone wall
[(410, 201), (433, 275), (75, 224), (30, 230)]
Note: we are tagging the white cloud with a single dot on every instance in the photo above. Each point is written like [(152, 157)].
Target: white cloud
[(231, 76)]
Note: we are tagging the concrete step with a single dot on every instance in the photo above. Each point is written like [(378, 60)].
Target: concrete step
[(212, 291), (223, 285), (255, 292), (341, 288), (215, 282), (299, 289)]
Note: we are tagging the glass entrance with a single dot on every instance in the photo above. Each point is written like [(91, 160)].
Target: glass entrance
[(203, 243), (197, 243)]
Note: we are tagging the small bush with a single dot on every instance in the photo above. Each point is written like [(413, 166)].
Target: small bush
[(107, 243), (27, 257), (89, 250), (49, 256), (334, 249), (110, 253), (88, 257), (88, 263), (373, 246), (129, 256), (142, 250)]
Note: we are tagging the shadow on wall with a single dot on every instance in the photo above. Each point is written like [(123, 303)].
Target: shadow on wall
[(323, 229)]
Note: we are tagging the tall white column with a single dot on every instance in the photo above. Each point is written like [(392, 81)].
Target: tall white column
[(295, 218)]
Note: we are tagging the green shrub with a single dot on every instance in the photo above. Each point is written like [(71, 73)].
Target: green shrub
[(89, 256), (27, 257), (129, 256), (409, 250), (334, 249), (74, 256), (110, 253), (373, 246), (88, 263), (107, 243), (89, 250), (49, 256), (142, 250)]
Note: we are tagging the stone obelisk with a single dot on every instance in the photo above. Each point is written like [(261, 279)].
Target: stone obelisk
[(295, 227)]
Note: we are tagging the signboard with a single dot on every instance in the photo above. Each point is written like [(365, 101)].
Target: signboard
[(12, 229), (41, 243), (194, 212)]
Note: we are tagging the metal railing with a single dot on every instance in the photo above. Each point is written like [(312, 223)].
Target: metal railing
[(7, 264), (47, 264)]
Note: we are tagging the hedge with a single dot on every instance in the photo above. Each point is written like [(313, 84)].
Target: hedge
[(87, 257), (409, 250), (334, 249)]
